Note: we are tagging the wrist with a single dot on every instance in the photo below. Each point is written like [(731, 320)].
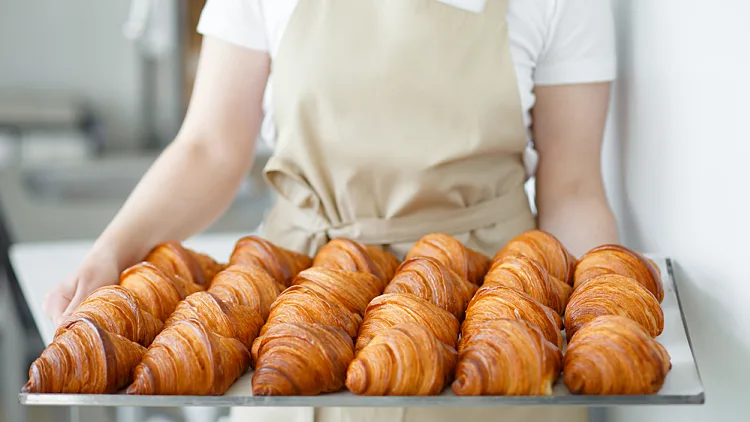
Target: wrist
[(118, 249)]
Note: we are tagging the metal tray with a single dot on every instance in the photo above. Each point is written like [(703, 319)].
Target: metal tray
[(682, 386)]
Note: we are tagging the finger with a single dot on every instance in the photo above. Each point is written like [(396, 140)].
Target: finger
[(56, 301), (80, 294)]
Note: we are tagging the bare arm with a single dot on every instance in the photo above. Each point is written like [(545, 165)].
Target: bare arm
[(568, 129), (193, 181)]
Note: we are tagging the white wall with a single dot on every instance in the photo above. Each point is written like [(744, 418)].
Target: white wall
[(681, 120)]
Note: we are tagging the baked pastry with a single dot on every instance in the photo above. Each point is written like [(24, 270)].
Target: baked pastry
[(224, 318), (208, 265), (301, 359), (432, 281), (84, 359), (118, 311), (526, 275), (404, 360), (468, 263), (187, 358), (281, 264), (612, 294), (613, 355), (176, 261), (348, 255), (246, 285), (616, 259), (544, 248), (507, 357), (497, 302), (156, 291), (388, 310), (351, 289)]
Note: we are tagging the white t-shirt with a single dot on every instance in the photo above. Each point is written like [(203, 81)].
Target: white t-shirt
[(551, 41)]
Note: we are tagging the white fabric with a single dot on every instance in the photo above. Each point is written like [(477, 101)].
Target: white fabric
[(552, 41)]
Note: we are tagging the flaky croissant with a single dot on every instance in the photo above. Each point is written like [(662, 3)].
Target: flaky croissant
[(432, 281), (497, 302), (187, 358), (118, 311), (157, 292), (391, 309), (84, 359), (176, 261), (282, 264), (351, 289), (612, 294), (301, 359), (208, 265), (404, 360), (468, 263), (348, 255), (506, 357), (246, 285), (526, 275), (616, 259), (224, 318), (613, 355), (544, 248)]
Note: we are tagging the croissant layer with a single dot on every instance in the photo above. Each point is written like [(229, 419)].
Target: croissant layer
[(614, 355), (348, 255), (246, 285), (351, 289), (157, 292), (282, 264), (177, 262), (544, 248), (449, 251)]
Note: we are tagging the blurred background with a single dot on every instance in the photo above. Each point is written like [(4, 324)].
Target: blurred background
[(91, 91)]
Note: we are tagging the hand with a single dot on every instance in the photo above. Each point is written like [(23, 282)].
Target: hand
[(97, 270)]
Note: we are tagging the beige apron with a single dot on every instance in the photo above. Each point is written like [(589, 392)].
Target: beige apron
[(395, 119)]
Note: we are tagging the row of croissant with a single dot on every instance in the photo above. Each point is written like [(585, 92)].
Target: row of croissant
[(354, 316)]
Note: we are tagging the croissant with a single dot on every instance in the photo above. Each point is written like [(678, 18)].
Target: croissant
[(209, 267), (301, 359), (616, 259), (612, 294), (351, 256), (224, 318), (613, 355), (177, 262), (158, 293), (351, 289), (84, 359), (432, 281), (246, 285), (118, 311), (388, 310), (468, 263), (498, 302), (404, 360), (526, 275), (506, 357), (544, 248), (188, 359), (282, 264)]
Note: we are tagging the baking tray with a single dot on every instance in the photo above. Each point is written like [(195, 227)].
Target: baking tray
[(682, 386)]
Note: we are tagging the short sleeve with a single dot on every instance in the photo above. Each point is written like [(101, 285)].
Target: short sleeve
[(238, 22), (579, 45)]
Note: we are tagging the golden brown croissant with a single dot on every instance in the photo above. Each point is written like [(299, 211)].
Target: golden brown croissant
[(432, 281), (613, 355), (282, 264), (209, 267), (176, 261), (497, 302), (526, 275), (246, 285), (612, 294), (616, 259), (224, 318), (387, 310), (351, 256), (187, 358), (158, 293), (118, 311), (544, 248), (506, 357), (301, 359), (351, 289), (466, 262), (404, 360), (84, 359)]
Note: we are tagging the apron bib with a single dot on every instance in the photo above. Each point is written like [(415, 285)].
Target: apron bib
[(395, 119)]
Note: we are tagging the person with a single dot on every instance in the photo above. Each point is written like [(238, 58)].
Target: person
[(389, 120)]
